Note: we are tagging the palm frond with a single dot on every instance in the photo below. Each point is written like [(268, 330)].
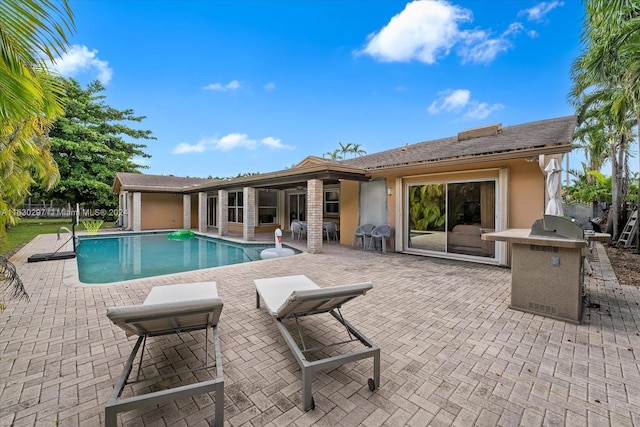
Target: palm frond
[(10, 281)]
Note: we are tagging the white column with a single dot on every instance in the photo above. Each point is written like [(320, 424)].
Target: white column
[(223, 212), (202, 212), (186, 211), (124, 212), (137, 211)]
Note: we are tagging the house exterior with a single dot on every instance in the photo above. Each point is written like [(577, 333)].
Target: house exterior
[(440, 196)]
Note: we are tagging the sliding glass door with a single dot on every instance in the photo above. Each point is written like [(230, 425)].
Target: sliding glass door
[(427, 217), (297, 207), (450, 217)]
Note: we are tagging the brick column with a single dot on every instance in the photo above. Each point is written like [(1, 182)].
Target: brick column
[(202, 212), (248, 213), (137, 211), (186, 211), (223, 212), (314, 216)]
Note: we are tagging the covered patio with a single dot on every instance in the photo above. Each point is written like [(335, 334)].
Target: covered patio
[(236, 209)]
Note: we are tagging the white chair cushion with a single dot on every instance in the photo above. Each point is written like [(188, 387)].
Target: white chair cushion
[(299, 295), (276, 290), (308, 301), (183, 306), (181, 292)]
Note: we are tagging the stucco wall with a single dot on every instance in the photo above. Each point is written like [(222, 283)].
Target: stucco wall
[(526, 194), (194, 211), (161, 211), (349, 210)]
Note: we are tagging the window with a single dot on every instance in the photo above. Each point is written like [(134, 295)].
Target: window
[(235, 206), (332, 202), (267, 206)]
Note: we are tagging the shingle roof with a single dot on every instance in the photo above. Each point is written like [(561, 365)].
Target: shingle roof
[(554, 135), (138, 181), (528, 136)]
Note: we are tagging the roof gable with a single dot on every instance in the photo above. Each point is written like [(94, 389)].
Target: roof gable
[(313, 161)]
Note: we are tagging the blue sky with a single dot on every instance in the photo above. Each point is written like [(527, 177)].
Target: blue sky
[(256, 86)]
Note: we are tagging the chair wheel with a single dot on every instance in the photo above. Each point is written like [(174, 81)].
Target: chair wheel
[(372, 384)]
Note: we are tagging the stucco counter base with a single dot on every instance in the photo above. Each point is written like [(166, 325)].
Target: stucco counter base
[(546, 274)]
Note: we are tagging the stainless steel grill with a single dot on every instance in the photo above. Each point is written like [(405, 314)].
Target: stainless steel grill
[(557, 227)]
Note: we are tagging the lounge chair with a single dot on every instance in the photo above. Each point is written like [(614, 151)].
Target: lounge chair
[(166, 310), (362, 233), (382, 233), (293, 297)]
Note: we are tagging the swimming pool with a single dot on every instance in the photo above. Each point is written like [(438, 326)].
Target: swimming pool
[(118, 257)]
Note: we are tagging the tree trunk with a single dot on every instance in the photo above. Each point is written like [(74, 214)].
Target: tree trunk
[(614, 212), (623, 182), (638, 199)]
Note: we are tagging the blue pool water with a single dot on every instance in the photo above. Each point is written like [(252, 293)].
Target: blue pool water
[(132, 256)]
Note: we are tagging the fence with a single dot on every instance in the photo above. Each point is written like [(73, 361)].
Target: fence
[(55, 211), (44, 211), (581, 213)]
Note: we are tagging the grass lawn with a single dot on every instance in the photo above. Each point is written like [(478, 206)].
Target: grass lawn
[(28, 228)]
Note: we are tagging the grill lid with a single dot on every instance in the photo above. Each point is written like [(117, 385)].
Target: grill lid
[(557, 227)]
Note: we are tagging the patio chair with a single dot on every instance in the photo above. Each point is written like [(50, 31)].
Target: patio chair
[(331, 230), (166, 310), (293, 297), (362, 233), (299, 228), (382, 233)]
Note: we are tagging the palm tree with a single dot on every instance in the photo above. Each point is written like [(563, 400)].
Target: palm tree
[(602, 89), (345, 149), (357, 151), (30, 32), (31, 97), (10, 282), (590, 137), (334, 155), (630, 48)]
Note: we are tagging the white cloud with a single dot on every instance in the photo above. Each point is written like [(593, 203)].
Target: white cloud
[(230, 142), (79, 60), (183, 147), (484, 51), (422, 31), (450, 100), (234, 140), (538, 12), (270, 87), (460, 101), (479, 47), (427, 30), (481, 110), (232, 85), (276, 143)]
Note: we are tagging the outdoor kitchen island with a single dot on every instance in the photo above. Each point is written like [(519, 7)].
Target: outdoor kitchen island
[(546, 272)]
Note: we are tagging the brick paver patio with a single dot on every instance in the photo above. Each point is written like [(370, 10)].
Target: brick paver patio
[(452, 351)]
